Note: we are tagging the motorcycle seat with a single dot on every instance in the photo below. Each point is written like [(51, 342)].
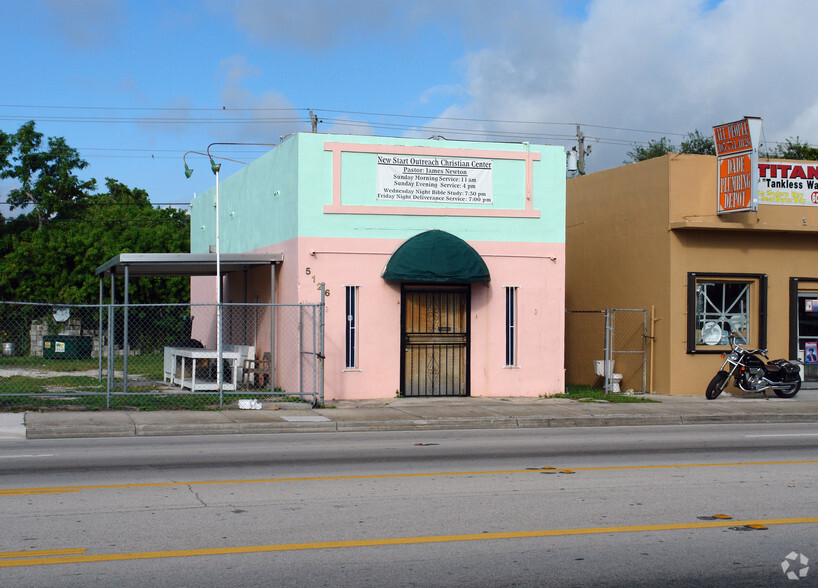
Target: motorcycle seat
[(782, 365), (773, 367)]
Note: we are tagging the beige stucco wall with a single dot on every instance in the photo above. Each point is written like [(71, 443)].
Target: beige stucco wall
[(617, 251), (635, 232), (778, 255)]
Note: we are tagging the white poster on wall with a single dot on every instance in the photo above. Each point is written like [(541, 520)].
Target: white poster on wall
[(793, 184), (449, 180)]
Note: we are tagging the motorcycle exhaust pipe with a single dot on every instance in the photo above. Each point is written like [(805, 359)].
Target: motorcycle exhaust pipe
[(768, 385)]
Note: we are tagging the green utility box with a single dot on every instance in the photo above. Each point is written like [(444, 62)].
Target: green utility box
[(67, 347)]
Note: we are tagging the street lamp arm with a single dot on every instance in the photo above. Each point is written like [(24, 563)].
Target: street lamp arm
[(215, 166), (189, 170)]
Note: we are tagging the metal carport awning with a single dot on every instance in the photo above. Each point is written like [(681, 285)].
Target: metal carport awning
[(174, 264), (184, 264)]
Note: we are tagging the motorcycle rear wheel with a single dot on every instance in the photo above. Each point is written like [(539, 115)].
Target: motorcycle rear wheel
[(791, 391), (716, 385)]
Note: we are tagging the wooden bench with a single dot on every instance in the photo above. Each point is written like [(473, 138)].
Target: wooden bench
[(259, 369)]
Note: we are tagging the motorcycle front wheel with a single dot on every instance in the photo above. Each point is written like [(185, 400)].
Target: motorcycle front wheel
[(717, 384), (789, 392)]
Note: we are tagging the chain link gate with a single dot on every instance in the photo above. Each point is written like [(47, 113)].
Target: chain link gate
[(607, 348), (157, 356)]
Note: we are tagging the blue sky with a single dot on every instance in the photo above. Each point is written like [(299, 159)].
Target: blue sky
[(134, 84)]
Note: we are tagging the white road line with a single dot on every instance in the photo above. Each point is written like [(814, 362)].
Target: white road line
[(786, 435), (28, 455)]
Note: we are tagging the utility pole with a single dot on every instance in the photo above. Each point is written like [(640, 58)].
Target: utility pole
[(580, 152), (314, 121)]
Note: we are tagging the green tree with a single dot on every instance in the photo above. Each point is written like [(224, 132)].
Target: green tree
[(698, 143), (695, 143), (125, 221), (794, 149), (654, 148), (45, 178), (57, 263)]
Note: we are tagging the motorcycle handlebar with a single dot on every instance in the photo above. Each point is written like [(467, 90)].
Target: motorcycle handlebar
[(759, 351)]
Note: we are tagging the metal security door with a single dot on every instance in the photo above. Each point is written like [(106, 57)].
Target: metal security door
[(435, 337)]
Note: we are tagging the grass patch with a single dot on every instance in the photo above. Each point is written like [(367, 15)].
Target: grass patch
[(130, 401), (591, 394), (149, 366)]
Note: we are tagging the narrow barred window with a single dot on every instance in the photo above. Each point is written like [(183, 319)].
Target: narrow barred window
[(351, 327), (511, 325)]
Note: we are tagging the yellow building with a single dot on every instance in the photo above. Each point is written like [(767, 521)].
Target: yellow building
[(647, 236)]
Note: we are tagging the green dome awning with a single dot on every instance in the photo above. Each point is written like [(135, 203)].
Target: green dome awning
[(436, 256)]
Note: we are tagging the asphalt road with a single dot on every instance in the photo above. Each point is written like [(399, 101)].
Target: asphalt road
[(614, 506)]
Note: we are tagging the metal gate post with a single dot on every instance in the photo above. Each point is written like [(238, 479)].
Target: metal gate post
[(300, 309), (315, 352), (125, 347), (273, 349), (111, 358), (99, 329), (645, 352), (608, 350), (321, 349)]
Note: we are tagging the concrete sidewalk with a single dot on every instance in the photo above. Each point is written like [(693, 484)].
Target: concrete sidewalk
[(414, 414)]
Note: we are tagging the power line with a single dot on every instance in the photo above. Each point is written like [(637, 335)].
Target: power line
[(291, 109), (151, 205), (150, 120), (24, 218), (160, 108), (508, 134)]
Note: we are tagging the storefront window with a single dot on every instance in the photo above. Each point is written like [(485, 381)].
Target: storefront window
[(722, 309), (725, 305)]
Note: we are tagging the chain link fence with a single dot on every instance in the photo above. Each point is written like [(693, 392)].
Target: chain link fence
[(607, 349), (158, 356)]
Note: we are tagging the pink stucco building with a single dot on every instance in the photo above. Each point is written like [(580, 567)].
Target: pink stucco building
[(442, 263)]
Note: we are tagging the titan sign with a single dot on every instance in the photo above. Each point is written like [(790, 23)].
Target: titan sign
[(794, 184)]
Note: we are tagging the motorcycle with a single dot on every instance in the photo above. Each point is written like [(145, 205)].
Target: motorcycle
[(751, 373)]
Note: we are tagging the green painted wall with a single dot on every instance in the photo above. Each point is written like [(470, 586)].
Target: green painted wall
[(258, 205), (282, 195)]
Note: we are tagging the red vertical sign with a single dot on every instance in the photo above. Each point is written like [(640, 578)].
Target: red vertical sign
[(737, 162)]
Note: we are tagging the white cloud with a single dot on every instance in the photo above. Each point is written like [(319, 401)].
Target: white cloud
[(804, 125), (263, 117), (670, 66), (618, 67)]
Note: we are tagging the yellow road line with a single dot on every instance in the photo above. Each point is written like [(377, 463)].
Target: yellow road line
[(698, 465), (58, 489), (30, 491), (396, 541), (41, 552)]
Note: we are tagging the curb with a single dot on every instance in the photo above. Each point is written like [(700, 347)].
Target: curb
[(453, 423)]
